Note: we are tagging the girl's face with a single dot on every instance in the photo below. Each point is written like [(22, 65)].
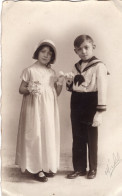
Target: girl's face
[(44, 56), (85, 51)]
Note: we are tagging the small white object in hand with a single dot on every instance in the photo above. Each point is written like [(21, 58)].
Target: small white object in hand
[(34, 87), (67, 75), (61, 73)]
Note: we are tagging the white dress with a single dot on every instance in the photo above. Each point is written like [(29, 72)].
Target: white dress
[(38, 141)]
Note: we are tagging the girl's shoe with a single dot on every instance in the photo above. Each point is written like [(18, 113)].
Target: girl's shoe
[(50, 174), (41, 177)]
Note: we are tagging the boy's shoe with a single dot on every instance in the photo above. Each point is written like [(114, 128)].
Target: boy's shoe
[(75, 174), (50, 174), (41, 177), (91, 174)]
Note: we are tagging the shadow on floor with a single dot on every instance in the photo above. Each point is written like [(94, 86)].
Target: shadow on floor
[(14, 174)]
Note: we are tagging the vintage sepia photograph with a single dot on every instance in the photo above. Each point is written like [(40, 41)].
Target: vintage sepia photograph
[(61, 89)]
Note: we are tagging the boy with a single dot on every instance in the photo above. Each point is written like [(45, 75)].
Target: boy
[(88, 101)]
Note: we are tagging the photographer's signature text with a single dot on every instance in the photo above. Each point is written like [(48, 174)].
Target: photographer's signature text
[(111, 165)]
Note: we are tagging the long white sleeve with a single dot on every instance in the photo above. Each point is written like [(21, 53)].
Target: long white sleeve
[(101, 86)]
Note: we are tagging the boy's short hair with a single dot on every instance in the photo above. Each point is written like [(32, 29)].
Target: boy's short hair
[(81, 38), (36, 53)]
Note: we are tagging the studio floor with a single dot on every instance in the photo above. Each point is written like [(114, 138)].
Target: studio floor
[(14, 183)]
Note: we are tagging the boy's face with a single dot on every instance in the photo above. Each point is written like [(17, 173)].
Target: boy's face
[(85, 51)]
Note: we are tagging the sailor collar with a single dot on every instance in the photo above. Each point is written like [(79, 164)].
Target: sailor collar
[(91, 63)]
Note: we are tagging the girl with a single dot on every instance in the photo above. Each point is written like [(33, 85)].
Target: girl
[(39, 131)]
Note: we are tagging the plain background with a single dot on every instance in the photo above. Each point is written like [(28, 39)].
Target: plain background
[(24, 25)]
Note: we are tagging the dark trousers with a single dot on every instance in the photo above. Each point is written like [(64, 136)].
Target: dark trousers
[(83, 109), (83, 136)]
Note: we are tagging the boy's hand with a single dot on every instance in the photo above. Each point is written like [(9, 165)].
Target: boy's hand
[(69, 78), (69, 81), (97, 119)]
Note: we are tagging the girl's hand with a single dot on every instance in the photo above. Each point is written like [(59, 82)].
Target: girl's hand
[(61, 73), (60, 80), (97, 119), (23, 89), (34, 87)]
